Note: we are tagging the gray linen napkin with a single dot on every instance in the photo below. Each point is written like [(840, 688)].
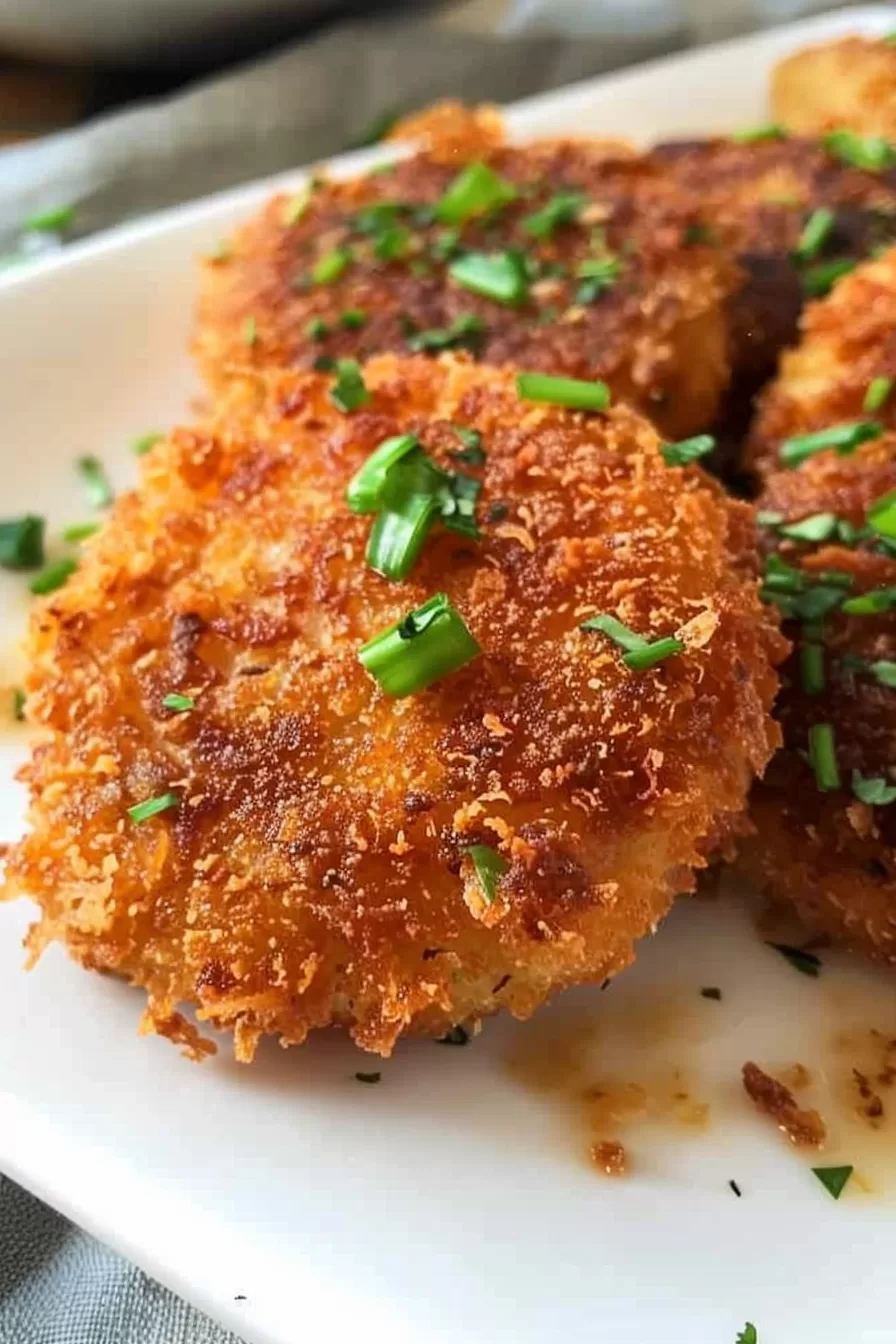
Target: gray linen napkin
[(284, 111)]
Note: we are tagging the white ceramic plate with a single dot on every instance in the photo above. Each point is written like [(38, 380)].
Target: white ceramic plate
[(454, 1201)]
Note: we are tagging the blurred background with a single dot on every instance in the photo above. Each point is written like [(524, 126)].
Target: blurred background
[(117, 107)]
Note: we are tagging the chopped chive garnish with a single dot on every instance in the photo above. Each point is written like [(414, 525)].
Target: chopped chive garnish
[(414, 493), (18, 705), (141, 446), (330, 266), (871, 152), (748, 1335), (50, 221), (152, 806), (368, 1077), (814, 235), (490, 867), (754, 135), (179, 703), (639, 660), (426, 645), (615, 630), (397, 537), (884, 672), (349, 392), (871, 604), (833, 1179), (687, 450), (640, 653), (598, 274), (79, 531), (879, 390), (323, 364), (797, 596), (375, 218), (352, 319), (53, 576), (823, 756), (820, 280), (873, 790), (456, 1036), (576, 393), (468, 329), (882, 516), (22, 542), (472, 452), (365, 490), (843, 438), (317, 329), (817, 527), (96, 483), (475, 191), (392, 243), (805, 962), (710, 992), (296, 207), (812, 668), (498, 276), (445, 245), (564, 208), (250, 330)]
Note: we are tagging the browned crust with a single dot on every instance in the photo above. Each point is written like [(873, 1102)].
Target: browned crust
[(450, 131), (756, 198), (849, 83), (847, 340), (658, 336), (314, 870), (829, 856), (804, 1128)]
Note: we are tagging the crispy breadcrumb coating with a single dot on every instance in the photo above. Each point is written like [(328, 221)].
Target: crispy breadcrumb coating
[(847, 83), (654, 327), (830, 856), (847, 341), (315, 868), (757, 198)]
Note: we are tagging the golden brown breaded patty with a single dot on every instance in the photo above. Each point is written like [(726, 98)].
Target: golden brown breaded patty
[(757, 198), (847, 341), (830, 855), (315, 868), (654, 329), (849, 83)]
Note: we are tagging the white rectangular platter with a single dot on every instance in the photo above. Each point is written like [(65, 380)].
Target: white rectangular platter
[(454, 1201)]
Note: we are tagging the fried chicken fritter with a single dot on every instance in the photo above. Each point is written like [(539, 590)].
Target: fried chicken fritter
[(830, 854), (757, 198), (849, 83), (592, 255), (314, 867), (848, 340)]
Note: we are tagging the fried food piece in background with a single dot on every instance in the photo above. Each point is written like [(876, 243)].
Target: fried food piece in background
[(451, 131), (575, 258), (315, 865), (843, 370), (850, 82), (758, 197), (825, 841)]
